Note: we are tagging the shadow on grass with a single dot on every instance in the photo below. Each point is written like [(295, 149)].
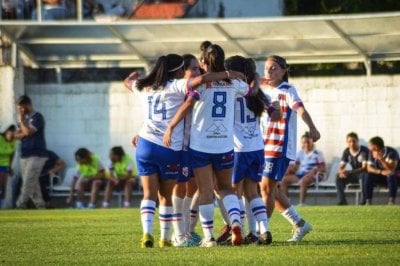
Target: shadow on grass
[(342, 242)]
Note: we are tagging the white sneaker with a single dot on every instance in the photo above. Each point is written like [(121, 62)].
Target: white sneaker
[(300, 232), (208, 243)]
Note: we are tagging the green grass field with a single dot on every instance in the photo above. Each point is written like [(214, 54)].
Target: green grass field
[(348, 235)]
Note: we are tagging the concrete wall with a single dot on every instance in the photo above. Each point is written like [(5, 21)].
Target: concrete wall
[(11, 87), (95, 115), (99, 115)]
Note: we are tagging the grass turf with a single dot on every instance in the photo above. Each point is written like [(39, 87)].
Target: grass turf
[(351, 235)]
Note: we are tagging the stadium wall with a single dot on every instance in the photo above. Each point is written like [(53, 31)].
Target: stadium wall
[(101, 115)]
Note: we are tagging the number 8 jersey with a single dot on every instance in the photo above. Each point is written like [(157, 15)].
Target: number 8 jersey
[(213, 116), (160, 106)]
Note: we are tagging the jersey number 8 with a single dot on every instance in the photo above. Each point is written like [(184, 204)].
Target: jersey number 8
[(219, 101)]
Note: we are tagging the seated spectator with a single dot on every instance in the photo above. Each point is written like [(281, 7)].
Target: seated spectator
[(9, 9), (7, 150), (309, 165), (356, 156), (383, 165), (90, 176), (122, 176), (52, 10), (51, 168)]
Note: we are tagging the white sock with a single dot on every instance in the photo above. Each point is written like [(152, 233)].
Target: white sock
[(291, 215), (242, 214), (127, 204), (194, 213), (207, 220), (223, 211), (106, 204), (186, 213), (231, 203), (165, 215), (260, 214), (251, 220), (147, 210), (177, 220)]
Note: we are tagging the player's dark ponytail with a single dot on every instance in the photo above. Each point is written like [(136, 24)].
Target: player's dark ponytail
[(214, 58), (165, 69), (247, 66)]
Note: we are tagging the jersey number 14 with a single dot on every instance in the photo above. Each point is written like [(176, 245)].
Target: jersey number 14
[(157, 108)]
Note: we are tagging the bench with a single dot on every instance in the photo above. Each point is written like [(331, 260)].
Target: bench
[(63, 189)]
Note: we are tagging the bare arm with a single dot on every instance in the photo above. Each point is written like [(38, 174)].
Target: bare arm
[(60, 164), (214, 76), (183, 110), (71, 191), (130, 79), (302, 112)]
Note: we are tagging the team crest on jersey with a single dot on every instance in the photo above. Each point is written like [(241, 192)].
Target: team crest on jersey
[(217, 131)]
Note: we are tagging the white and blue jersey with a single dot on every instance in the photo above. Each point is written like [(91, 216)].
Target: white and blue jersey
[(213, 116), (249, 144), (159, 107), (308, 161)]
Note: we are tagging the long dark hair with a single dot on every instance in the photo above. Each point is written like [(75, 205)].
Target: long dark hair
[(165, 69), (214, 58), (10, 128), (187, 60), (282, 63), (247, 66)]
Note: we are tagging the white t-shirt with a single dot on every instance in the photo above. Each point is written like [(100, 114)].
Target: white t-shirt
[(247, 133), (308, 161), (213, 116), (280, 136), (159, 107)]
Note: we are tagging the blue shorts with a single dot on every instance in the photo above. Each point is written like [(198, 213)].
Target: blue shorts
[(219, 161), (4, 169), (155, 159), (187, 171), (275, 168), (248, 165)]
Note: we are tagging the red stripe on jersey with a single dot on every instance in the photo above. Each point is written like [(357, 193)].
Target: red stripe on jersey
[(282, 97), (274, 154), (276, 131), (275, 142)]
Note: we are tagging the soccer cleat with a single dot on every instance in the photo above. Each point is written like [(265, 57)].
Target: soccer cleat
[(195, 238), (79, 205), (208, 243), (250, 239), (237, 237), (91, 206), (224, 234), (164, 243), (147, 241), (300, 232), (265, 238)]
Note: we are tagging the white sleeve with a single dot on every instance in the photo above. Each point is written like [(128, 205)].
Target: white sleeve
[(293, 100), (242, 88)]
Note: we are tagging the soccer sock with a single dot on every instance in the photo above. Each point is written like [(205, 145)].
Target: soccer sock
[(251, 220), (207, 220), (194, 213), (165, 216), (292, 216), (223, 211), (242, 214), (177, 220), (260, 214), (186, 213), (147, 210), (231, 203)]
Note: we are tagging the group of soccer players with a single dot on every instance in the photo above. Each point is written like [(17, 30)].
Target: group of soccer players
[(218, 121)]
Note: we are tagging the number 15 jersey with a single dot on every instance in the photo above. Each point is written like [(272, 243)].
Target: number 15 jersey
[(213, 116), (160, 106)]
